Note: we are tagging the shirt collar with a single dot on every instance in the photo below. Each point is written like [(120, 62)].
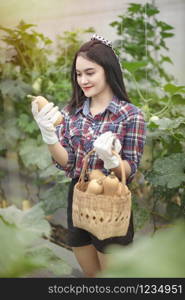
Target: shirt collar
[(113, 107)]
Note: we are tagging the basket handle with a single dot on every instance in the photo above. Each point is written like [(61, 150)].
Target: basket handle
[(84, 168)]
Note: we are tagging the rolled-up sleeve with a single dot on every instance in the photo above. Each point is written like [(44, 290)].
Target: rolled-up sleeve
[(63, 137), (134, 142)]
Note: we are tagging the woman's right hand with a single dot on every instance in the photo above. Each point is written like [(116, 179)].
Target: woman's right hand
[(45, 118)]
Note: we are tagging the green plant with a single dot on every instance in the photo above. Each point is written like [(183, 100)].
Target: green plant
[(141, 46), (157, 256), (141, 38), (28, 65), (22, 248), (27, 50)]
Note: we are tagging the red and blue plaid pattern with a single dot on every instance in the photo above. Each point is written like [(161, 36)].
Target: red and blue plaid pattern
[(78, 132)]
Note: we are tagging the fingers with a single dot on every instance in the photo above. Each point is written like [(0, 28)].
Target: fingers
[(105, 143), (103, 139), (34, 108), (48, 112), (55, 117), (52, 113), (109, 144), (117, 145), (45, 109), (47, 126)]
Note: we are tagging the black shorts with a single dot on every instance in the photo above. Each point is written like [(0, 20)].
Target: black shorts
[(78, 237)]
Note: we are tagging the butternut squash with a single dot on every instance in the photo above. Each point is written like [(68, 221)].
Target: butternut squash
[(110, 185), (95, 186), (41, 103), (96, 174)]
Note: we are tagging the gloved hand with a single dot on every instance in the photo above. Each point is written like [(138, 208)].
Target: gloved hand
[(45, 119), (104, 145)]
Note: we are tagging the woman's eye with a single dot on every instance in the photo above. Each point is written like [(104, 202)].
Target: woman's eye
[(88, 74)]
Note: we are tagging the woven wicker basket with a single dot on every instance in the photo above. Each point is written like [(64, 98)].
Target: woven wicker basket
[(103, 216)]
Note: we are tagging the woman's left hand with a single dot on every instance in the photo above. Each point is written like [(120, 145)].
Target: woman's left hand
[(104, 145)]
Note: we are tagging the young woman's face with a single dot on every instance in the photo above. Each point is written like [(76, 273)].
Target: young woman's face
[(90, 77)]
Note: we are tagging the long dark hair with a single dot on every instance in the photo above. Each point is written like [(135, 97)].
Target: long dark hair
[(104, 56)]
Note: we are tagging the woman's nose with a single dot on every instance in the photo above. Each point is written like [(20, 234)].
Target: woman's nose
[(84, 79)]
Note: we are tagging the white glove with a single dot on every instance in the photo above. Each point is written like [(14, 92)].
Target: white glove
[(45, 119), (104, 145)]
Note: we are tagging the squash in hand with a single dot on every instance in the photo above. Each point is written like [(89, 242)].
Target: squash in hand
[(41, 103)]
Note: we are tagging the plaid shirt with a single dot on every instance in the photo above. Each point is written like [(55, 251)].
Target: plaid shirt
[(78, 132)]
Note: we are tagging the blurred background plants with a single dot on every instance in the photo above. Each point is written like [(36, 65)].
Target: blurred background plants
[(30, 64), (141, 46), (22, 248), (152, 256)]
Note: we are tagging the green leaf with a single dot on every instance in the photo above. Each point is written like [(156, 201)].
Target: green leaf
[(173, 89), (23, 26), (169, 171), (178, 110), (24, 251), (166, 58), (25, 124), (164, 26), (167, 124), (13, 259), (50, 261), (50, 171), (14, 88), (178, 99), (54, 198), (31, 220), (134, 8), (8, 30), (132, 67), (150, 10), (166, 35), (34, 155)]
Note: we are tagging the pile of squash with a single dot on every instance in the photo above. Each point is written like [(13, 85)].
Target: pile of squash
[(100, 184)]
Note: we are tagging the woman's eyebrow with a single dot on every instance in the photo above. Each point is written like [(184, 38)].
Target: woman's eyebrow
[(85, 70)]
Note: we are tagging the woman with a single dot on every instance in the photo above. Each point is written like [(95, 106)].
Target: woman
[(98, 112)]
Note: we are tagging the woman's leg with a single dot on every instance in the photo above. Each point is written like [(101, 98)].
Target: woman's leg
[(103, 258), (87, 258)]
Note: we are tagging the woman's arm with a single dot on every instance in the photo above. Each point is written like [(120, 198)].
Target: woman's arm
[(59, 153), (127, 168)]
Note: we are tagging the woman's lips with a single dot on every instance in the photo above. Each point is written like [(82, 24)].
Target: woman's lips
[(87, 88)]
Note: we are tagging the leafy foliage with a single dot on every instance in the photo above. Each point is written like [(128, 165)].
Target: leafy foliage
[(169, 171), (26, 68), (22, 250), (27, 49), (161, 255), (138, 52), (143, 58)]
